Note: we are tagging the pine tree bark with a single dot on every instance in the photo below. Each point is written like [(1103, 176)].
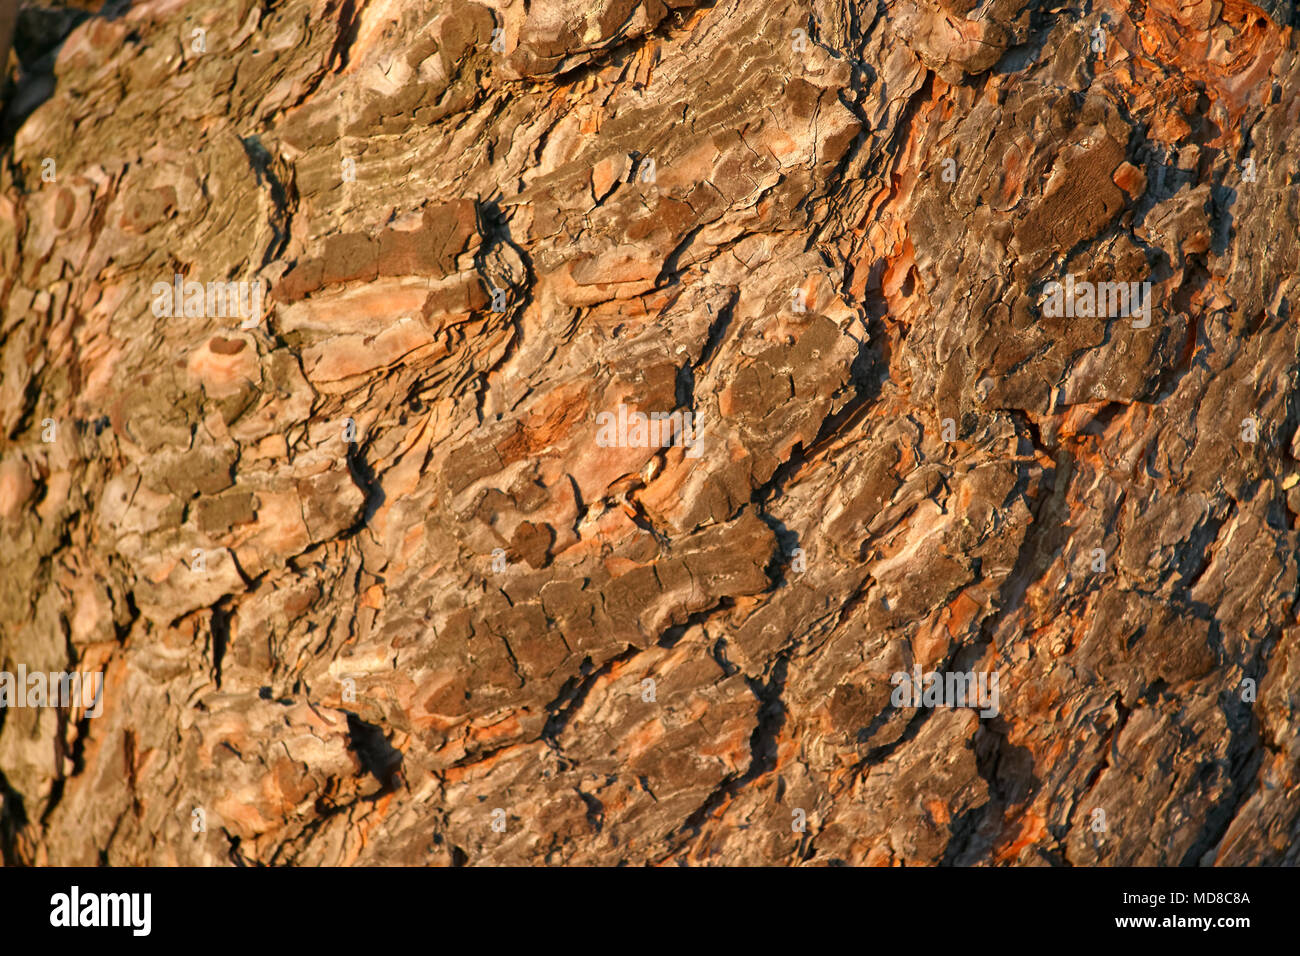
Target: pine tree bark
[(325, 328)]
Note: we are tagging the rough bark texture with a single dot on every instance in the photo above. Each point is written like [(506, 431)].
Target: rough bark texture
[(366, 588)]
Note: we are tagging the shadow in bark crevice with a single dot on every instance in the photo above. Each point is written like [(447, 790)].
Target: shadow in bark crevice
[(376, 755), (38, 34)]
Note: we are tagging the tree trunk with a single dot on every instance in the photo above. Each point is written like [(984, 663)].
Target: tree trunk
[(747, 432)]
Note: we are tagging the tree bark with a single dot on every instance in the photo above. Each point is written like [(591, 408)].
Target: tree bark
[(326, 332)]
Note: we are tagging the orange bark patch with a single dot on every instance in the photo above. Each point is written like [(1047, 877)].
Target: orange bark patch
[(1032, 828)]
